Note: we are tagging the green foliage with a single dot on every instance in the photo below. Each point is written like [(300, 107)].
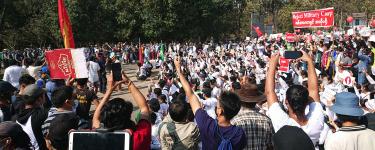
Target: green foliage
[(34, 23)]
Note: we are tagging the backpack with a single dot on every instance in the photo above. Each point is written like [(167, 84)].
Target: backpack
[(225, 144)]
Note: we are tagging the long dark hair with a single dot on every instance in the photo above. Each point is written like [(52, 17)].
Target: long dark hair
[(116, 115), (298, 98)]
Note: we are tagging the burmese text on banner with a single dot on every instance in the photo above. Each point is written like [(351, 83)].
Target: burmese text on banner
[(65, 63), (313, 18)]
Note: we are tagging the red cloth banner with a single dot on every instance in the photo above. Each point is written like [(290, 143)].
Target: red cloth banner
[(65, 63), (65, 27), (313, 18), (284, 65)]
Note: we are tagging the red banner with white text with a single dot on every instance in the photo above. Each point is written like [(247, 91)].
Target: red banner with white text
[(65, 63), (313, 18), (284, 65)]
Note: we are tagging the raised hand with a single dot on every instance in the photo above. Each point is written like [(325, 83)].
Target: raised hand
[(305, 57)]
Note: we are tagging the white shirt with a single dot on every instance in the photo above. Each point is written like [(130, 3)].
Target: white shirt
[(341, 76), (155, 143), (351, 140), (215, 92), (12, 74), (93, 69), (209, 106), (163, 109), (315, 117), (34, 71)]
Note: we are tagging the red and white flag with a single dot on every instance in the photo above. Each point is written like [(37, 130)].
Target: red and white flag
[(65, 63)]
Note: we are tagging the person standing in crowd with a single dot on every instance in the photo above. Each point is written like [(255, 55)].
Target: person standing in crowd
[(177, 131), (32, 117), (258, 127), (58, 135), (18, 104), (218, 133), (93, 68), (351, 135), (363, 62), (63, 103), (13, 73), (209, 102), (102, 72), (85, 98), (297, 99)]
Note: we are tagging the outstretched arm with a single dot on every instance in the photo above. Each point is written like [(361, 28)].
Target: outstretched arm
[(270, 81), (193, 99), (137, 96), (107, 95), (312, 78)]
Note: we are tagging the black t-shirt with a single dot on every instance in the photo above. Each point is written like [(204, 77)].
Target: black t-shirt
[(84, 97)]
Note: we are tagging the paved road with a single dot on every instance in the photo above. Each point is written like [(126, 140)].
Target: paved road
[(131, 70)]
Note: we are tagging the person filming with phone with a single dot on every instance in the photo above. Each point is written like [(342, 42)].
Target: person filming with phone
[(298, 100)]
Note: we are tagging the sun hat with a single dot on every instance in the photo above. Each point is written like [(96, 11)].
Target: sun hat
[(249, 92), (347, 104)]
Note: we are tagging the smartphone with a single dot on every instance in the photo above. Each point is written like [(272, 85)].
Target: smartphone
[(116, 70), (292, 54), (79, 140)]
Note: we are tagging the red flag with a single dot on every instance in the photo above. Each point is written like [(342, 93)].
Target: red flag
[(257, 30), (65, 27), (140, 54)]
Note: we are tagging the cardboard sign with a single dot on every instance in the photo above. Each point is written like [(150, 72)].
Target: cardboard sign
[(65, 63), (313, 18), (284, 65), (290, 37)]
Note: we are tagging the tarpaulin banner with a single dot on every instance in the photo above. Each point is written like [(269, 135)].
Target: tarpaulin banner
[(65, 63), (284, 65), (313, 18)]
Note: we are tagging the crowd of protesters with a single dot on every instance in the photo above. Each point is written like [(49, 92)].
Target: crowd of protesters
[(206, 95)]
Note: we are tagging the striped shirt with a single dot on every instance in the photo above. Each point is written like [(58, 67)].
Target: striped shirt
[(52, 113)]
